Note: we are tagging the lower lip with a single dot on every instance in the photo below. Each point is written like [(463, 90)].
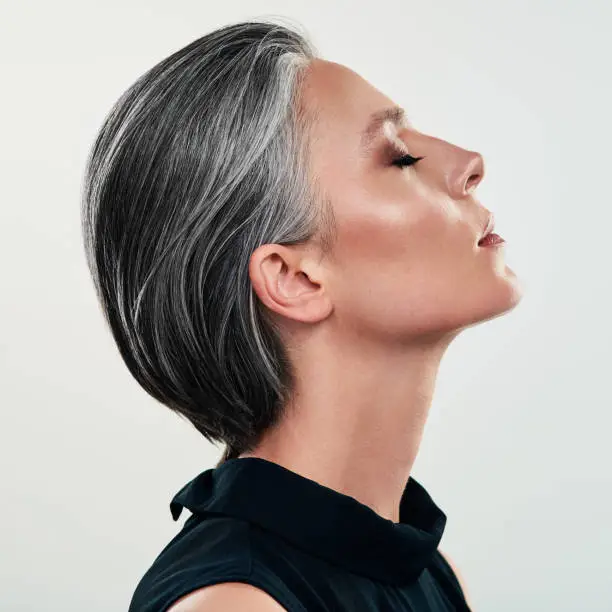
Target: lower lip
[(491, 240)]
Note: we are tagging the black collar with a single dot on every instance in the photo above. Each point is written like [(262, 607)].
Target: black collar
[(321, 520)]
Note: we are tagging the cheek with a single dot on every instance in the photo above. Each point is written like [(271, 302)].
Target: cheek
[(394, 214), (376, 232), (396, 262)]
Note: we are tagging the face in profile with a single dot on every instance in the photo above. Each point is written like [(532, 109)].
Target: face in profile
[(406, 261)]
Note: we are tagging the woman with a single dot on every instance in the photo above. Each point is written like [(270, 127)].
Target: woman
[(283, 259)]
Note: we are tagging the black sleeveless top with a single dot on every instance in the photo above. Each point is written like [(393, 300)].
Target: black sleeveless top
[(310, 547)]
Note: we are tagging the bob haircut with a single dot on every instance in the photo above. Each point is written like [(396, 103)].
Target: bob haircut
[(202, 160)]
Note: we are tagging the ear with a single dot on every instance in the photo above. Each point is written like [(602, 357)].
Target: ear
[(290, 282)]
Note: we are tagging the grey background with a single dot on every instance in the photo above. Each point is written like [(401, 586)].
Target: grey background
[(516, 450)]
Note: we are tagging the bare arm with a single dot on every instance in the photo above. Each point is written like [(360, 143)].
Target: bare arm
[(459, 577), (227, 597)]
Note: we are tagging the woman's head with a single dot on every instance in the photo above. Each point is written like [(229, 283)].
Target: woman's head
[(406, 265), (227, 205)]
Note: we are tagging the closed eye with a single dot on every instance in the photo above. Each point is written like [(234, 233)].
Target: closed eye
[(405, 160)]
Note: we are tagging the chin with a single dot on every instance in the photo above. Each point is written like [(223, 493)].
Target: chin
[(496, 299), (502, 297)]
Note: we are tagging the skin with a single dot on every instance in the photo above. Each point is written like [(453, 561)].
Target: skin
[(367, 325)]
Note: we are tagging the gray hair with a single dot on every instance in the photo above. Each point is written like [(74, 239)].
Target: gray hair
[(202, 160)]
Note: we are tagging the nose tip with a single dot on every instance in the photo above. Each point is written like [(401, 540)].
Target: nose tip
[(472, 174)]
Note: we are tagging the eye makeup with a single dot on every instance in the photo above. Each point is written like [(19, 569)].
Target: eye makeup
[(399, 146), (390, 131)]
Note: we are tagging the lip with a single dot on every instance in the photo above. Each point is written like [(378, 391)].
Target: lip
[(490, 226)]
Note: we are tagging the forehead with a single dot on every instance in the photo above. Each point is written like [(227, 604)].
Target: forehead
[(341, 100)]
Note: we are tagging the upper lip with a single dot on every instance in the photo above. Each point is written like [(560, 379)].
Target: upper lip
[(489, 227)]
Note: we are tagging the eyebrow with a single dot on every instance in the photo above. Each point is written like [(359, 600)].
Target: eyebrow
[(395, 114)]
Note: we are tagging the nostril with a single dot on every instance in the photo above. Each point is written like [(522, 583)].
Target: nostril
[(472, 181)]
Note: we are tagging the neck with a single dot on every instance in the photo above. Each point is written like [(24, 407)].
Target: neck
[(356, 418)]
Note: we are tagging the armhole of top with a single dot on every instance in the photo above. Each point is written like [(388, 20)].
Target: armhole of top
[(261, 581), (451, 573), (289, 603), (445, 574)]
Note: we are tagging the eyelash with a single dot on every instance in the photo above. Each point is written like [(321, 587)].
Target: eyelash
[(405, 160)]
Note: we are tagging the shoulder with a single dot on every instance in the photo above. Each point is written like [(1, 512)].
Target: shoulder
[(451, 564), (453, 567), (227, 596)]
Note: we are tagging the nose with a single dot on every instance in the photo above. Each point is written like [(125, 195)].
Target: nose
[(469, 172)]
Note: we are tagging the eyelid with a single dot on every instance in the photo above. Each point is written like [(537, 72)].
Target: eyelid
[(392, 134), (406, 161), (400, 152)]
